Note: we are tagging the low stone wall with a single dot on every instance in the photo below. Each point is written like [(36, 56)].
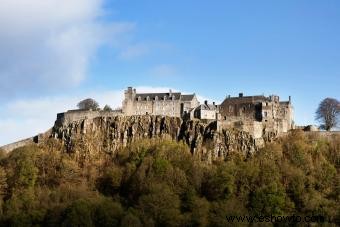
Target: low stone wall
[(10, 147), (323, 133), (78, 115)]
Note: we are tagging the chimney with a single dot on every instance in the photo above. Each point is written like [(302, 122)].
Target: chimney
[(206, 102), (170, 92), (214, 104), (228, 96), (290, 99), (240, 95)]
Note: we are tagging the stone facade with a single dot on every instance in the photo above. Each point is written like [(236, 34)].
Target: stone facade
[(206, 111), (258, 115), (172, 104)]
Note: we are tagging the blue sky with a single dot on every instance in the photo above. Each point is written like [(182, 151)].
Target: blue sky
[(53, 54)]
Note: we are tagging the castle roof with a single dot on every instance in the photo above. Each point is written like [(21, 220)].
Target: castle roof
[(168, 96), (152, 96), (245, 99), (207, 107), (286, 103), (187, 98)]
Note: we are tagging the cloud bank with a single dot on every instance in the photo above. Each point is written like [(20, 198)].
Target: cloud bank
[(47, 45)]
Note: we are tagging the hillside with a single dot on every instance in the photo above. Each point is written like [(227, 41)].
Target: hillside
[(74, 181)]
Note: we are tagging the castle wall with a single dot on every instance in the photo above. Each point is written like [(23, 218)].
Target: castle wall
[(10, 147), (77, 115), (254, 128), (208, 114)]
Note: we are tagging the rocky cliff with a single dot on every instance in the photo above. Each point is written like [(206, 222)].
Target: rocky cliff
[(108, 134)]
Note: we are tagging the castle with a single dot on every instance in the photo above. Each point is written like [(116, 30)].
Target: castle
[(172, 104), (258, 115), (262, 117)]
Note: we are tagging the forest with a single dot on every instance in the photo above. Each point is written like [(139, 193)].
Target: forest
[(160, 183)]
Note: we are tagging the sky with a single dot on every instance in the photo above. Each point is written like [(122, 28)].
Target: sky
[(54, 53)]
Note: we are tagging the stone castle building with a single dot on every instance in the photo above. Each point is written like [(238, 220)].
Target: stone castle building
[(173, 104), (258, 115), (206, 111)]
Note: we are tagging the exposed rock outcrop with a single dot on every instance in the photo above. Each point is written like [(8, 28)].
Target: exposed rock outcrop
[(108, 134)]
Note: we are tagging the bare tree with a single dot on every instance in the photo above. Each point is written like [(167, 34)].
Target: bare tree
[(328, 113), (88, 104)]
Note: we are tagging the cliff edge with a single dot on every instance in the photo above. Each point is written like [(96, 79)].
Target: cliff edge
[(108, 134)]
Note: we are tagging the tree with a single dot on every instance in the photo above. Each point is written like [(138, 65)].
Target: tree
[(328, 113), (107, 108), (88, 104)]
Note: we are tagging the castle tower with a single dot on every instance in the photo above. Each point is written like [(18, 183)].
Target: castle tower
[(129, 98)]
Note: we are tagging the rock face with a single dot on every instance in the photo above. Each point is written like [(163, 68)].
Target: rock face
[(108, 134)]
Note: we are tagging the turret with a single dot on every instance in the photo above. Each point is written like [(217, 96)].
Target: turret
[(130, 95)]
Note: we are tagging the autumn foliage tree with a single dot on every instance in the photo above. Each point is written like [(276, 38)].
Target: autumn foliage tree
[(160, 183), (328, 113)]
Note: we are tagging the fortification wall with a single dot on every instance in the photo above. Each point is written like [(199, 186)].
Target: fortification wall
[(78, 115), (10, 147), (323, 133), (255, 128)]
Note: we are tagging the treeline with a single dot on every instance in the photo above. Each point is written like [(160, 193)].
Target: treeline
[(160, 183)]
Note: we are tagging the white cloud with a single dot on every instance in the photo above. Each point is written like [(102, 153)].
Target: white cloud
[(48, 44)]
